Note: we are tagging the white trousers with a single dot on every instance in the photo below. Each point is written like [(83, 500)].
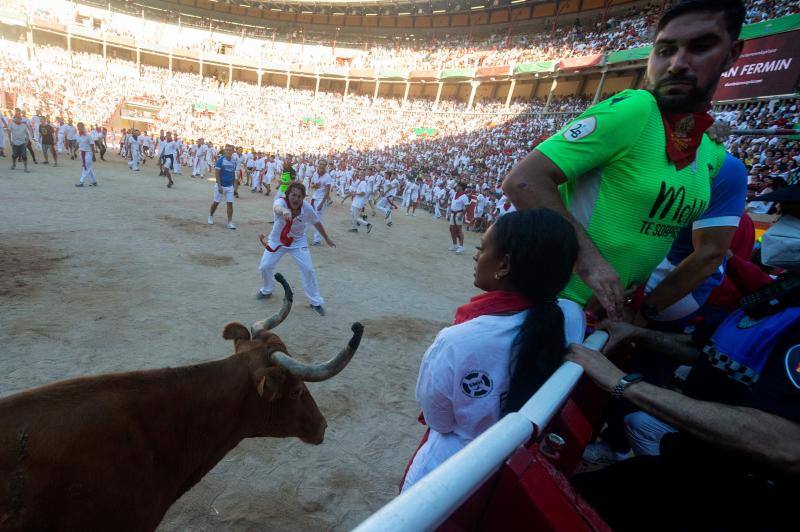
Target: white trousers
[(645, 432), (134, 164), (321, 213), (255, 178), (355, 217), (386, 209), (198, 167), (87, 167), (176, 164), (308, 277), (437, 210)]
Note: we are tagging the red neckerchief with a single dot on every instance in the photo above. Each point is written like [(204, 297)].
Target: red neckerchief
[(684, 133), (458, 195), (494, 302), (284, 237)]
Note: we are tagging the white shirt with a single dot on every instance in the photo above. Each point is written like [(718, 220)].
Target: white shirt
[(319, 182), (413, 191), (300, 224), (85, 143), (458, 204), (504, 206), (71, 132), (359, 201), (464, 379), (169, 148), (201, 151)]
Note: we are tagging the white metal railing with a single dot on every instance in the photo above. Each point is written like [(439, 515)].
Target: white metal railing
[(435, 497)]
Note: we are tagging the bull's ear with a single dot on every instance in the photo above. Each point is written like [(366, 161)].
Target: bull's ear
[(235, 331), (270, 381)]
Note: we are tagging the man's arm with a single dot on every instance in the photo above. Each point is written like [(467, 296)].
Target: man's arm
[(327, 197), (533, 183), (766, 438), (324, 234), (710, 245), (675, 347), (218, 178)]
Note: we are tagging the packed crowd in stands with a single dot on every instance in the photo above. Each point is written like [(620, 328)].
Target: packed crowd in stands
[(274, 119), (340, 124), (773, 162), (570, 38)]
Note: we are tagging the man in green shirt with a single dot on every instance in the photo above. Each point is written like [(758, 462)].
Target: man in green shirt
[(287, 176), (633, 170)]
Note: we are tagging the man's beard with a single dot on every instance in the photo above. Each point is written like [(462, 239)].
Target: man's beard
[(696, 99)]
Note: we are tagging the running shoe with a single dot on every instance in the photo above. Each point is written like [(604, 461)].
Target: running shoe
[(262, 295), (353, 230), (318, 309), (601, 453), (459, 250), (210, 220), (231, 225), (369, 228), (79, 185), (452, 248)]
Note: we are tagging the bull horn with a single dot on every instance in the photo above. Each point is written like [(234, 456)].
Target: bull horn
[(326, 370), (277, 319)]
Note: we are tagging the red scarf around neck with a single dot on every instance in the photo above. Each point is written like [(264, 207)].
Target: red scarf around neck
[(684, 133), (284, 237), (494, 302)]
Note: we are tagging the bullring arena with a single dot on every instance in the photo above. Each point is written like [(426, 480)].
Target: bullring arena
[(560, 236), (129, 276)]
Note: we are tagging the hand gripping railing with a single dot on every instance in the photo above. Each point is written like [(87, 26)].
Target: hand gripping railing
[(429, 502)]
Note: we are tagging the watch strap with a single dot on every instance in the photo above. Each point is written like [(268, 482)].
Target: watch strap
[(623, 383)]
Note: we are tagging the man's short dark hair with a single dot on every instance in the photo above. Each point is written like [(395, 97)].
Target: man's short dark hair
[(733, 10)]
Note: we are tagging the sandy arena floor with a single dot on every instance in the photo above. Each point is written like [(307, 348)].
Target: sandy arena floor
[(128, 275)]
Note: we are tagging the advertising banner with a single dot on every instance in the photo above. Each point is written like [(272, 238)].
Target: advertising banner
[(768, 66)]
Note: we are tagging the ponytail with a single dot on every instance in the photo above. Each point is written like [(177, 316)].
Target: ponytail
[(540, 348), (542, 248)]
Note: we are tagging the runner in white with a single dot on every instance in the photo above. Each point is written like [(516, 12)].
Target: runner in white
[(358, 191), (87, 156), (385, 204), (200, 154), (321, 185), (413, 196), (134, 150), (60, 131), (180, 152), (455, 215), (71, 134), (292, 218), (169, 154)]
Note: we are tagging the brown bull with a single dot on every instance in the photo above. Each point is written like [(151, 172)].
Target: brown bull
[(113, 452)]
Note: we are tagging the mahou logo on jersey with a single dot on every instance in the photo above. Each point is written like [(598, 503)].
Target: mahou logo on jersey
[(671, 212)]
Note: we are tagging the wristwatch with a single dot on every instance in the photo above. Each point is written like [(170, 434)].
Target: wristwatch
[(623, 383)]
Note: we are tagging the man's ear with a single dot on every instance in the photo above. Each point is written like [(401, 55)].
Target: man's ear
[(736, 51), (270, 382), (235, 331)]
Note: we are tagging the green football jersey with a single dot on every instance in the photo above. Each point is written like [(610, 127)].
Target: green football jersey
[(622, 188)]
